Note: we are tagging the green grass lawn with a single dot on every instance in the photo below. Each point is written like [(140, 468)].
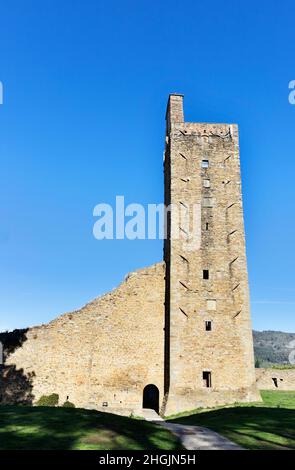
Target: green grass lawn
[(267, 425), (35, 428)]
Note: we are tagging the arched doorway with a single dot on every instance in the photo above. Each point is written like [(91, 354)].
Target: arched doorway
[(151, 397)]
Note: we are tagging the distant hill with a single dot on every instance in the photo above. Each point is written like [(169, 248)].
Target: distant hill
[(271, 347)]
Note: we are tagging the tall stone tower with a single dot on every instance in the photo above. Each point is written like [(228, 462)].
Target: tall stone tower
[(208, 338)]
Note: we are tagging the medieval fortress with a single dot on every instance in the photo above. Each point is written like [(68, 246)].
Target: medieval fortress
[(174, 336)]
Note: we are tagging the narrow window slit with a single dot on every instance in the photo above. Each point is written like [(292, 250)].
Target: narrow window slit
[(207, 379), (208, 325)]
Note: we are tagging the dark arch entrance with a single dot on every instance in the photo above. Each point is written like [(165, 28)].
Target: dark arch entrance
[(151, 397)]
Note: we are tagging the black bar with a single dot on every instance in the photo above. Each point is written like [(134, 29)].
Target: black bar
[(145, 459)]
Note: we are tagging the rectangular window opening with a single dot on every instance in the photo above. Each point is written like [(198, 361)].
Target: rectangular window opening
[(205, 274), (207, 226), (205, 163), (208, 325), (206, 183), (207, 379)]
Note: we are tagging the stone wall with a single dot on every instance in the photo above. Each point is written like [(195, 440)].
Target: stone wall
[(151, 329), (275, 379), (202, 168), (104, 353)]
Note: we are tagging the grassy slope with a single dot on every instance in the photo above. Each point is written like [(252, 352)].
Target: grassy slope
[(267, 425), (61, 428)]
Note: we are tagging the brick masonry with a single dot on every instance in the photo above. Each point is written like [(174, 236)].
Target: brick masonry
[(275, 379), (151, 329), (104, 353), (227, 350)]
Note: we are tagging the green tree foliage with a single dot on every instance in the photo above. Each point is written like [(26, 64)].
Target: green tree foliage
[(48, 400)]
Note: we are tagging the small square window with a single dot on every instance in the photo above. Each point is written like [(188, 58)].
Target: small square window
[(208, 325), (207, 202), (206, 183), (205, 163), (205, 274), (211, 304)]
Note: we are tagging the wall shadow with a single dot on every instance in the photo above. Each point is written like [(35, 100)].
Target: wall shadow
[(15, 385), (12, 340), (251, 427), (71, 429)]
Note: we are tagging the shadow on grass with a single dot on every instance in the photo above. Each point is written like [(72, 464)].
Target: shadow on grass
[(57, 428), (250, 427)]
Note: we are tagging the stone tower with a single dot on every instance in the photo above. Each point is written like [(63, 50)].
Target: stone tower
[(132, 352), (208, 338)]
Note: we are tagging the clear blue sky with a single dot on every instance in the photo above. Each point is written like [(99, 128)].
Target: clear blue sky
[(85, 90)]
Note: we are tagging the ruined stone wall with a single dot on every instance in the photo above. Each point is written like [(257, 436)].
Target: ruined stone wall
[(227, 350), (275, 379), (104, 353), (107, 352)]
